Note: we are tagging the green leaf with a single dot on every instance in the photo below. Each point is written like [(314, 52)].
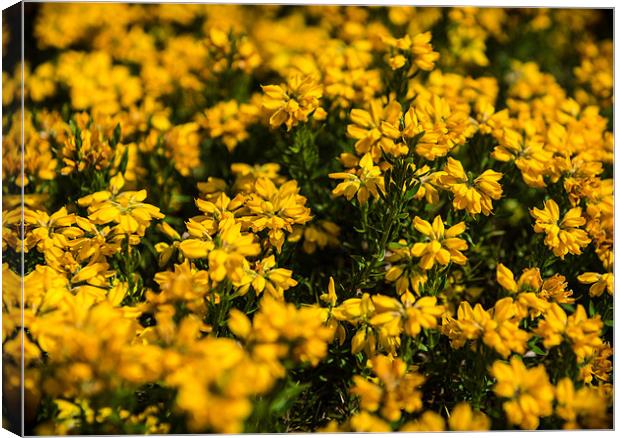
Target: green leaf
[(410, 194), (73, 127), (591, 309), (394, 246), (382, 195), (116, 137), (286, 398), (568, 307), (414, 141), (124, 160), (387, 176)]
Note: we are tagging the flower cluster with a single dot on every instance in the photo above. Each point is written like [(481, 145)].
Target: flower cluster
[(235, 218)]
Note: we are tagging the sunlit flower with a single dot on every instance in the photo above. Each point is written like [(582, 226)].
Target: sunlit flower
[(365, 181), (292, 102), (441, 246), (562, 237)]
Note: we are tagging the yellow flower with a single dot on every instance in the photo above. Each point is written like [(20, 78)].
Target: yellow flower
[(194, 248), (387, 318), (444, 125), (397, 61), (529, 392), (490, 121), (47, 231), (91, 348), (580, 175), (218, 208), (330, 297), (355, 310), (239, 324), (464, 418), (243, 57), (185, 283), (475, 197), (596, 71), (213, 372), (365, 422), (423, 313), (182, 144), (369, 393), (599, 366), (87, 150), (600, 282), (79, 71), (126, 209), (377, 129), (265, 276), (403, 270), (532, 284), (276, 209), (506, 278), (582, 332), (429, 421), (583, 407), (402, 46), (562, 237), (423, 55), (532, 294), (301, 333), (292, 102), (395, 389), (38, 161), (227, 259), (246, 175), (498, 327), (418, 48), (320, 234), (442, 246), (384, 318), (468, 44), (428, 184), (228, 121), (527, 153), (366, 181)]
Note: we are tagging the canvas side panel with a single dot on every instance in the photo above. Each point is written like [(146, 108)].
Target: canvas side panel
[(12, 275)]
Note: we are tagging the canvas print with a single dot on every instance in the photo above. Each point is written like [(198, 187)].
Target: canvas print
[(222, 218)]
